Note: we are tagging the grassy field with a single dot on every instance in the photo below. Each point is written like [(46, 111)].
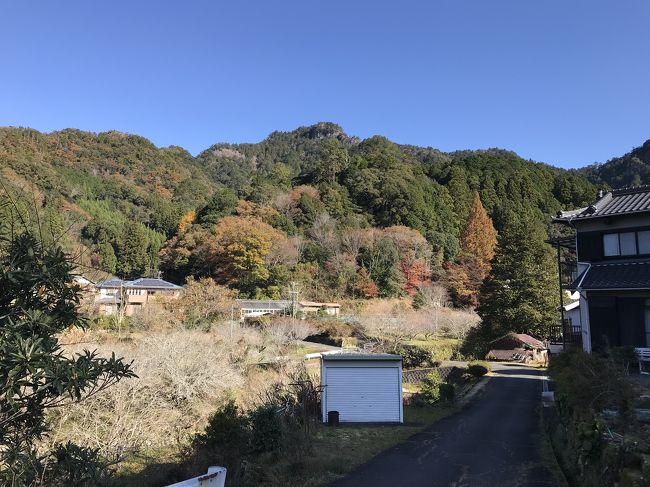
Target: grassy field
[(441, 347)]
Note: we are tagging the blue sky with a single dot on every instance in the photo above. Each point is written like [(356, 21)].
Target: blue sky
[(561, 81)]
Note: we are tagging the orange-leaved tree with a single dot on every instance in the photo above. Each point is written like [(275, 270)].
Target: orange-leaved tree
[(241, 248), (478, 242)]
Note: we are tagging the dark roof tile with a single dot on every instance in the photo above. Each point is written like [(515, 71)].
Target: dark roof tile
[(617, 202), (615, 275)]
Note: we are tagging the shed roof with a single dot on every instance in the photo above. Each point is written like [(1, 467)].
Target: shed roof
[(317, 304), (572, 305), (615, 275), (263, 304), (388, 357), (512, 341), (623, 201)]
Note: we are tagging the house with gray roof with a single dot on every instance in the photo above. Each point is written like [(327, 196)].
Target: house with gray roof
[(251, 308), (611, 247), (113, 295)]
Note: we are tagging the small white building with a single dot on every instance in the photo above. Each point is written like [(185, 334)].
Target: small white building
[(363, 388)]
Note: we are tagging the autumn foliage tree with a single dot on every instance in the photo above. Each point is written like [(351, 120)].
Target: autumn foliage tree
[(478, 242), (241, 247), (520, 295), (237, 252)]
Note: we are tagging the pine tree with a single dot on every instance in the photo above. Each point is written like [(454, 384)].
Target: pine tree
[(520, 295)]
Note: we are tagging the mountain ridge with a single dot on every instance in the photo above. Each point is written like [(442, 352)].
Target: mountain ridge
[(98, 184)]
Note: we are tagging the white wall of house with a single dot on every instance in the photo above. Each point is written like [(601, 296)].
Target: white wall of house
[(573, 313)]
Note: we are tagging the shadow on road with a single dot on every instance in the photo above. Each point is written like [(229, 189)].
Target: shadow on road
[(493, 441)]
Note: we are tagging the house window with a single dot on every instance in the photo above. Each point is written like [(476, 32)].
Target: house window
[(628, 243), (644, 242), (611, 245)]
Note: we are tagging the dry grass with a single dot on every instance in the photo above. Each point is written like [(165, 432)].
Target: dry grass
[(183, 376), (397, 319)]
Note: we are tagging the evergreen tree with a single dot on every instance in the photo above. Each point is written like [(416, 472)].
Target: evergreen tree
[(520, 295), (38, 301), (335, 160), (223, 203), (132, 256), (108, 261)]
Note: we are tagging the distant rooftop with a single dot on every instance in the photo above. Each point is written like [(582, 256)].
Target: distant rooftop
[(152, 283), (263, 304), (613, 203), (141, 283), (362, 356)]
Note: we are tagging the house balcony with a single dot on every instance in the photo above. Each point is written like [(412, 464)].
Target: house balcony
[(566, 334)]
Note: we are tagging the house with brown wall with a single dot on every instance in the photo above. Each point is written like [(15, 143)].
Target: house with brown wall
[(115, 294)]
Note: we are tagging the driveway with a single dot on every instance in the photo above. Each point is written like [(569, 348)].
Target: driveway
[(494, 441)]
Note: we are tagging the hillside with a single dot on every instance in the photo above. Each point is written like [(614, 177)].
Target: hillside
[(120, 200), (632, 169)]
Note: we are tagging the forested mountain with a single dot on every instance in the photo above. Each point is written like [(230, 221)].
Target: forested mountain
[(344, 216), (632, 169)]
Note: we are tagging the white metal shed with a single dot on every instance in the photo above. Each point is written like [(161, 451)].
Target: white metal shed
[(362, 387)]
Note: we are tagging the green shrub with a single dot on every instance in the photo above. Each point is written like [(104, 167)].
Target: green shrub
[(333, 332), (585, 385), (623, 357), (588, 383), (467, 377), (266, 429), (225, 440), (478, 368), (430, 389), (413, 356), (78, 466), (447, 393)]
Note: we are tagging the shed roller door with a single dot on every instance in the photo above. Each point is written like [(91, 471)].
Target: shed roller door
[(364, 394)]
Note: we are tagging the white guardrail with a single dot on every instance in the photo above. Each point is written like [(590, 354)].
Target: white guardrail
[(216, 477)]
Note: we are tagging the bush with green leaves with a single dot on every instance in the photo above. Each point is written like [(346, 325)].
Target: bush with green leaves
[(74, 465), (478, 368), (624, 357), (586, 385), (430, 388), (447, 393), (38, 300), (467, 377), (279, 427), (266, 429), (413, 356), (225, 438)]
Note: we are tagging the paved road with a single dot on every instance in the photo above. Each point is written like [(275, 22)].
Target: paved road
[(494, 442)]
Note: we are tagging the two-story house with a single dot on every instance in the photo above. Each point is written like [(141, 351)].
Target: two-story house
[(612, 249), (132, 296)]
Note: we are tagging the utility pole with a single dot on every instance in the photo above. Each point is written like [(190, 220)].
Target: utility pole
[(232, 320), (120, 308), (294, 292)]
